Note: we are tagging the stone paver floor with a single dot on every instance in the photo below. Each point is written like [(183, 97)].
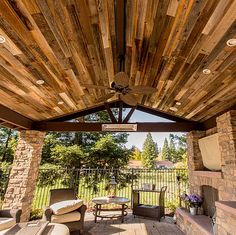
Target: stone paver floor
[(131, 226)]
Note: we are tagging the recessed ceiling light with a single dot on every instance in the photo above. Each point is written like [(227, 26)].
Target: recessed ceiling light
[(60, 102), (173, 109), (231, 42), (178, 103), (2, 39), (206, 71), (40, 82)]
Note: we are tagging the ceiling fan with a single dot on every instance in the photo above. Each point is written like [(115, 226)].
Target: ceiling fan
[(120, 86)]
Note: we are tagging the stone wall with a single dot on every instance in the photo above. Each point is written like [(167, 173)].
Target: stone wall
[(23, 176), (224, 181)]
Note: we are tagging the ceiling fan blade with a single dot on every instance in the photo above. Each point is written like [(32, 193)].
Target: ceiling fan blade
[(105, 97), (142, 89), (92, 86), (129, 99), (121, 79)]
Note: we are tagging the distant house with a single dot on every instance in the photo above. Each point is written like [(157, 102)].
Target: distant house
[(135, 164), (164, 164)]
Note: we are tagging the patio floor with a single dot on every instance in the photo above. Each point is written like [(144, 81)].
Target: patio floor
[(131, 226)]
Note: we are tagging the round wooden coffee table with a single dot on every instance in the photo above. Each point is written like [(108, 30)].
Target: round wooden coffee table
[(99, 201)]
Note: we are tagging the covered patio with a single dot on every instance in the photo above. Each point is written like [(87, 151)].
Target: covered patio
[(62, 60)]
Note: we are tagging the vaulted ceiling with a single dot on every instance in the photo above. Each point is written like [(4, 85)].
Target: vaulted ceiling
[(166, 44)]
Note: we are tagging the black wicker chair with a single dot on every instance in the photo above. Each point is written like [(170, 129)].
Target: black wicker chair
[(157, 211)]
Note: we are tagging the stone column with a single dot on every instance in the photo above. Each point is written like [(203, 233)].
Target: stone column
[(194, 157), (226, 127), (23, 176)]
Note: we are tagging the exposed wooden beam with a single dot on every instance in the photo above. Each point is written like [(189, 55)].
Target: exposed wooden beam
[(95, 127), (161, 114), (120, 117), (83, 112), (14, 119), (120, 27), (129, 114), (110, 113)]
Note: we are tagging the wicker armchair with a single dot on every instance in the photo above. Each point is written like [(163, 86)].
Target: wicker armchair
[(148, 210), (58, 195)]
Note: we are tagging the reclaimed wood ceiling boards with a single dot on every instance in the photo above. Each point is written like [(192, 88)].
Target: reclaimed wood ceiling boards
[(67, 43)]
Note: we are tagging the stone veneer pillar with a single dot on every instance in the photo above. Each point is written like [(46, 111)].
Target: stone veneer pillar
[(194, 154), (23, 176), (226, 127)]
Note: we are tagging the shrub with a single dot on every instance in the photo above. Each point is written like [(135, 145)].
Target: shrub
[(36, 214)]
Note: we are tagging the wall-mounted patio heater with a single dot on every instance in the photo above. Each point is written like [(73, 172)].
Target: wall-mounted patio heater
[(119, 127)]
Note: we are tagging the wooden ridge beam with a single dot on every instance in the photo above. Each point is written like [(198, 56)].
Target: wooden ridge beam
[(120, 27), (95, 127), (13, 118)]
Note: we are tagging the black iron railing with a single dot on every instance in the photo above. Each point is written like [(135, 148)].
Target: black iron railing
[(92, 183)]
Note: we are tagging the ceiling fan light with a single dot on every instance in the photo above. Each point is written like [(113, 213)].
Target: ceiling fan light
[(2, 39), (231, 42), (60, 102)]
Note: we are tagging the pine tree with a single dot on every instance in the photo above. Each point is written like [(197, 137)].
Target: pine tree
[(165, 151), (172, 150), (149, 152)]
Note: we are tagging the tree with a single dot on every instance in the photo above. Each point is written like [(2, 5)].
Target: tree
[(108, 153), (172, 149), (149, 152), (86, 140), (136, 154), (165, 150), (8, 141)]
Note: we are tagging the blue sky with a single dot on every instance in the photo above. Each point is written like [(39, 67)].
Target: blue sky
[(137, 138)]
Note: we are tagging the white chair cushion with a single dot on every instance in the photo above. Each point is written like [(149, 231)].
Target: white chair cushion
[(6, 223), (65, 218), (64, 207), (56, 229)]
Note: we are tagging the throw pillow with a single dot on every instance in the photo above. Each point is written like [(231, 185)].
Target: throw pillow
[(64, 207)]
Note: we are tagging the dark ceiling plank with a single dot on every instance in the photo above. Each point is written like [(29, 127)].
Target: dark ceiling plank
[(120, 117), (11, 117), (129, 114), (120, 27), (110, 113), (95, 127), (161, 114)]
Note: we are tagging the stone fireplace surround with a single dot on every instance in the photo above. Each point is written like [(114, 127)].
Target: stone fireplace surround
[(224, 181)]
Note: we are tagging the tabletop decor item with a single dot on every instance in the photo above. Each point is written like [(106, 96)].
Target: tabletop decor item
[(112, 188), (193, 201)]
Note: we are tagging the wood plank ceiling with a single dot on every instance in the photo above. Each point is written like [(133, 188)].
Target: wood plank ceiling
[(67, 43)]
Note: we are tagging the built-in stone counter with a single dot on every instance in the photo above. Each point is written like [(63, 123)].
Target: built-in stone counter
[(226, 217), (193, 224)]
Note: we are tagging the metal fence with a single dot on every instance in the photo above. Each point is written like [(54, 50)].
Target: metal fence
[(92, 183)]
